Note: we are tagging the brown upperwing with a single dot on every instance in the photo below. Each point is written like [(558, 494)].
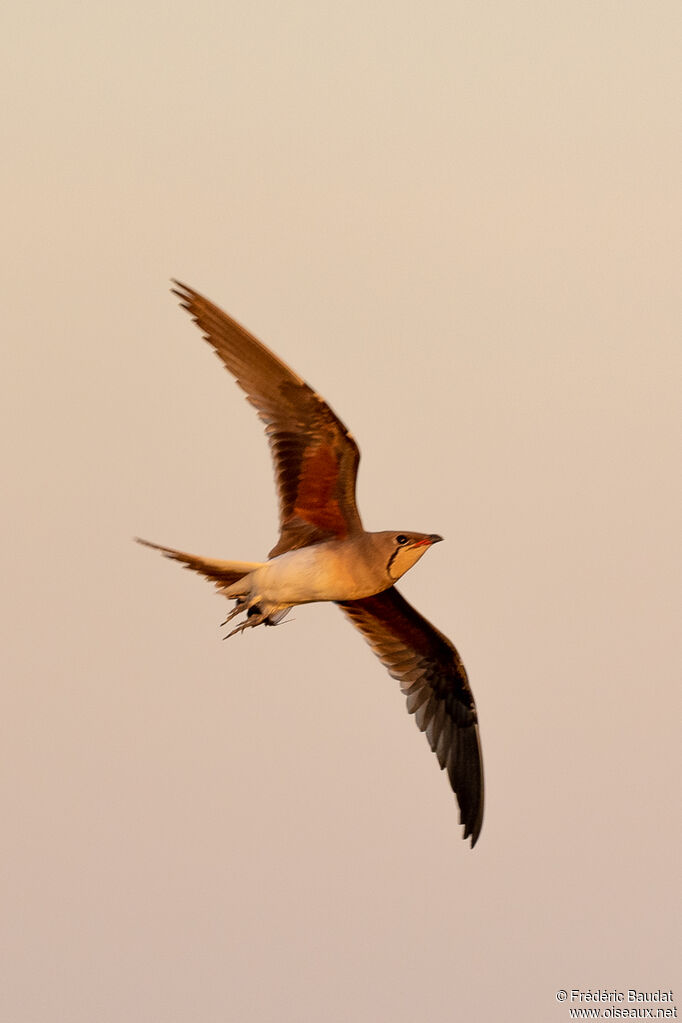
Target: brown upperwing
[(316, 458), (433, 678)]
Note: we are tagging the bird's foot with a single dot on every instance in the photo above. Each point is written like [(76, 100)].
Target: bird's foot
[(254, 617), (238, 608)]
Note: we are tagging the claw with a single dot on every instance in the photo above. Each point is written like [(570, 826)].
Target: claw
[(235, 611), (250, 623), (254, 616)]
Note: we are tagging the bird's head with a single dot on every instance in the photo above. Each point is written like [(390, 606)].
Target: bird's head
[(403, 550)]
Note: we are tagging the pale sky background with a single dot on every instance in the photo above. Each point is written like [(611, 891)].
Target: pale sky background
[(460, 222)]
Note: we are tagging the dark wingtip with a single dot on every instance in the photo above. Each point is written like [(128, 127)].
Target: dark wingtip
[(473, 835), (473, 825), (469, 788)]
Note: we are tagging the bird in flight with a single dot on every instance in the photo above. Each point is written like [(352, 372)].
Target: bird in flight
[(324, 553)]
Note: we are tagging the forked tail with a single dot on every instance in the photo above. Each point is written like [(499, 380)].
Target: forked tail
[(222, 574)]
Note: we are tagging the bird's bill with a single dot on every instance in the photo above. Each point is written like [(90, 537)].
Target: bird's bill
[(427, 540)]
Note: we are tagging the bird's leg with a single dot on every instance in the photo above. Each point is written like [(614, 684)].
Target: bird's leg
[(254, 617), (238, 608)]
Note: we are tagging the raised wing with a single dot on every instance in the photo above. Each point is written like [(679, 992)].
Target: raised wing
[(433, 679), (316, 458)]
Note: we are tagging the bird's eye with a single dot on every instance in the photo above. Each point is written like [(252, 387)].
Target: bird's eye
[(401, 539)]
